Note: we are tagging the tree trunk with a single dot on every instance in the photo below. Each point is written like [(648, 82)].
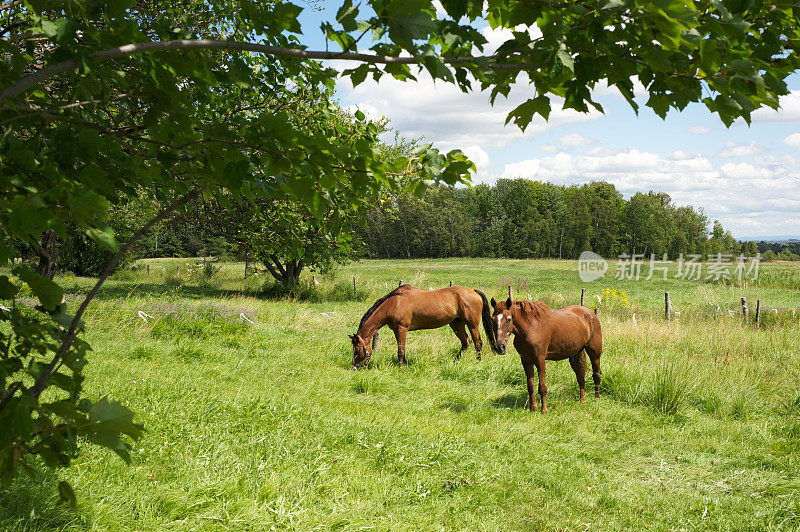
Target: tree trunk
[(47, 255), (286, 273)]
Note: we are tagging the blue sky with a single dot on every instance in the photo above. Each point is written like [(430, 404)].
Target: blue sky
[(746, 177)]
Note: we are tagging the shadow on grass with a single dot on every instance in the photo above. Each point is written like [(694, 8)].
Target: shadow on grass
[(32, 502), (120, 290), (456, 406), (512, 400)]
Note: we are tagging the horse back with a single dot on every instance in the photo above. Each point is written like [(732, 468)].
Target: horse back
[(571, 329), (430, 309)]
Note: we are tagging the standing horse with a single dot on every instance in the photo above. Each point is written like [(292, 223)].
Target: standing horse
[(541, 333), (409, 309)]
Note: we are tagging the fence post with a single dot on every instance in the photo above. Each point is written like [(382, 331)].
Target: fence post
[(148, 269), (354, 286), (510, 293), (667, 306), (758, 314), (451, 284), (178, 270), (745, 310), (583, 295)]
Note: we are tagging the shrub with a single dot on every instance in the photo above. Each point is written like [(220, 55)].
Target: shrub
[(670, 390)]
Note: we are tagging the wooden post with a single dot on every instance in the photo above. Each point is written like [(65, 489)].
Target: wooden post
[(246, 263), (745, 310), (667, 306), (510, 293), (451, 284), (354, 286), (583, 295), (148, 270), (758, 314), (178, 271)]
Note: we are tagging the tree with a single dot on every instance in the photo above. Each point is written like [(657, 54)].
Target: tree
[(749, 248), (100, 99)]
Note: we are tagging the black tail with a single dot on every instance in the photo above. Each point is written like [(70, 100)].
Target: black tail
[(486, 314)]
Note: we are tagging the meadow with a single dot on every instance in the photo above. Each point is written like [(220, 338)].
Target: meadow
[(256, 421)]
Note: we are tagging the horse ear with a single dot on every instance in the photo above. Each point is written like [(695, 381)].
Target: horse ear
[(494, 303), (509, 302)]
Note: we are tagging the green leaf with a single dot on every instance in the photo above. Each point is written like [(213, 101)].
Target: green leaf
[(109, 419), (104, 236), (48, 292), (90, 141), (613, 4), (564, 58), (523, 113), (7, 289), (66, 493)]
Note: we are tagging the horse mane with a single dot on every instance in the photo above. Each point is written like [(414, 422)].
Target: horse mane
[(536, 310), (377, 304)]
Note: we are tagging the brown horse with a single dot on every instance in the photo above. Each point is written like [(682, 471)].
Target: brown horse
[(541, 333), (409, 309)]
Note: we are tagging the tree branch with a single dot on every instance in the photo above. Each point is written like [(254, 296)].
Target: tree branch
[(210, 44), (41, 382), (10, 5)]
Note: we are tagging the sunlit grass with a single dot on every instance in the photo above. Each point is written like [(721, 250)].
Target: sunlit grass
[(260, 425)]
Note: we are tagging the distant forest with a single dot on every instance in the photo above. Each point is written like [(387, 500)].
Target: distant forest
[(520, 218), (515, 218)]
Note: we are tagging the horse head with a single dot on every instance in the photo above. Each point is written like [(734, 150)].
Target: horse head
[(362, 350), (502, 322)]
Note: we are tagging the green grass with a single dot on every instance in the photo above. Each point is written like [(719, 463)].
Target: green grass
[(255, 426)]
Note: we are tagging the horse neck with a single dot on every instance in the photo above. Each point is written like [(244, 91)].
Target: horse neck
[(521, 322), (373, 323)]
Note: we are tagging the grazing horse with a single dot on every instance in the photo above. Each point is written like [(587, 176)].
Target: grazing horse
[(541, 333), (409, 309)]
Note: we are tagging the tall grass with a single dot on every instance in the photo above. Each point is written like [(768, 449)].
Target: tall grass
[(261, 424)]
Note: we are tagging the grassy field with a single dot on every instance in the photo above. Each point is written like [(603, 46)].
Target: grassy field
[(264, 425)]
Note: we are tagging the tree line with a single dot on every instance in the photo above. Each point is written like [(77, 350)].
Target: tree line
[(521, 218)]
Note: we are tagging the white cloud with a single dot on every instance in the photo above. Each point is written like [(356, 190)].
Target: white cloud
[(576, 139), (498, 36), (681, 155), (699, 130), (750, 198), (793, 140), (440, 112), (735, 149), (789, 110), (528, 169), (549, 148), (603, 89), (477, 155)]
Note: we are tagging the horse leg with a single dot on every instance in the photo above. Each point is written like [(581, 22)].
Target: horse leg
[(461, 332), (528, 367), (578, 363), (594, 355), (400, 336), (539, 360), (475, 332)]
